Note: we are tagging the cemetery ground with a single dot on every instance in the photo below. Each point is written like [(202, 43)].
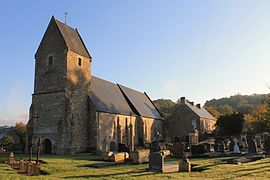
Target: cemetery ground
[(76, 167)]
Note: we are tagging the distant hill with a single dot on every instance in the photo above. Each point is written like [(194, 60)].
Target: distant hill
[(165, 106), (238, 103)]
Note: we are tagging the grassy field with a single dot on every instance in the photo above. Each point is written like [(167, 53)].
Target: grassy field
[(74, 167)]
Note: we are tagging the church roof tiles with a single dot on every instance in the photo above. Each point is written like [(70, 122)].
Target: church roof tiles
[(112, 98), (72, 38)]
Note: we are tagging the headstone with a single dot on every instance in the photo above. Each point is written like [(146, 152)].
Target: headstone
[(198, 149), (11, 158), (113, 146), (243, 146), (267, 144), (235, 146), (156, 161), (22, 167), (140, 156), (219, 147), (258, 141), (252, 146), (29, 169), (178, 149), (184, 165)]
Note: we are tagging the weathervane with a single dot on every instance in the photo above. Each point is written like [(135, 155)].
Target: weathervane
[(66, 13)]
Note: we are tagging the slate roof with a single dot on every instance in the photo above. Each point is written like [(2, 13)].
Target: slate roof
[(201, 112), (107, 97), (72, 38), (141, 102)]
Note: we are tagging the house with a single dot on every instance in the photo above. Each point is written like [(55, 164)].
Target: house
[(187, 118)]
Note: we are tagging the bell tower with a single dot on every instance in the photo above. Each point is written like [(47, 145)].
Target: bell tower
[(61, 85)]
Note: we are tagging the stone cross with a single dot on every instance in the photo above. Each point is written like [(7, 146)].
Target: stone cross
[(37, 117)]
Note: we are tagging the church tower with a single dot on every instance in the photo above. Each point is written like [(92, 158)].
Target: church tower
[(58, 113)]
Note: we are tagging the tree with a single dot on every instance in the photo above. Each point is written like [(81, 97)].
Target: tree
[(212, 110), (231, 124), (20, 130), (8, 140)]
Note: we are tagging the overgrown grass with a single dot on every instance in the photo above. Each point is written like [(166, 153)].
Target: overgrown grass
[(74, 167)]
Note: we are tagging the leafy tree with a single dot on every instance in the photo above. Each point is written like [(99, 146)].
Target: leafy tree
[(212, 110), (165, 106), (20, 130), (231, 124), (8, 140)]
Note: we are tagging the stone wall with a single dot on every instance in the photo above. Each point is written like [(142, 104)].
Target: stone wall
[(78, 81), (180, 122), (50, 77), (49, 120), (115, 128), (151, 126)]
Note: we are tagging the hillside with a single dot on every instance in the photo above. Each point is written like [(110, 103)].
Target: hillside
[(165, 106), (238, 103)]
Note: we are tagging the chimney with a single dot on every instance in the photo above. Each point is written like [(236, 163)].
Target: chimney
[(192, 103), (198, 106), (183, 100)]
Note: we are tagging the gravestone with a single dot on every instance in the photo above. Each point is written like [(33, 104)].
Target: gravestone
[(267, 144), (11, 158), (140, 156), (235, 146), (113, 146), (243, 146), (178, 149), (258, 141), (22, 167), (252, 146), (156, 161), (184, 165), (219, 147), (198, 149)]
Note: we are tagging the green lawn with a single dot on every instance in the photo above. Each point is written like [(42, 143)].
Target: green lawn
[(73, 167)]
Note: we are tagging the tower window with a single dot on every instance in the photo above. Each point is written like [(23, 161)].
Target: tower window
[(79, 62), (50, 60)]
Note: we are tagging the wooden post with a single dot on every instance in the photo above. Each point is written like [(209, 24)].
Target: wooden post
[(38, 150)]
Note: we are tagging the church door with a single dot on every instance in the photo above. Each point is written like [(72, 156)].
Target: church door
[(47, 146)]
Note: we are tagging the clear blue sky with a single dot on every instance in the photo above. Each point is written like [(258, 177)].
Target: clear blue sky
[(198, 49)]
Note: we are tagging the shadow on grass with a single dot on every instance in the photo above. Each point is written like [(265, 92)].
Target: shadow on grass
[(129, 173)]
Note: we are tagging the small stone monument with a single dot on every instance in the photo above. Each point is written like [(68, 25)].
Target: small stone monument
[(156, 161), (235, 146), (178, 149), (219, 147), (252, 146), (11, 158), (267, 144), (22, 168), (184, 165)]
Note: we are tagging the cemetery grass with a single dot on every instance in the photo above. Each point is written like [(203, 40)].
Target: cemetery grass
[(75, 167)]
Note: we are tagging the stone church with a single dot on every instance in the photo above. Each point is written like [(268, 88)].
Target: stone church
[(73, 111)]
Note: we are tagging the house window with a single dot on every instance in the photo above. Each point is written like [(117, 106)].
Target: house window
[(194, 124), (79, 62), (50, 60)]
